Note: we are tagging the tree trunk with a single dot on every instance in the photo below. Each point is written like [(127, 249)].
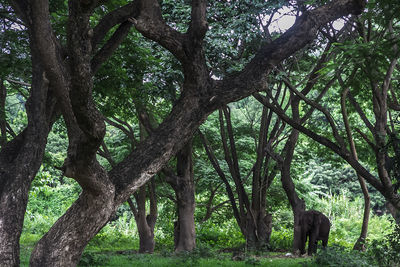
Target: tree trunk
[(3, 121), (145, 223), (360, 243), (185, 235), (67, 238), (15, 182), (258, 235), (20, 160), (297, 204)]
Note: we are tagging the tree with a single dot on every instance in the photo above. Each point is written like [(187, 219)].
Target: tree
[(376, 118), (249, 208), (69, 70)]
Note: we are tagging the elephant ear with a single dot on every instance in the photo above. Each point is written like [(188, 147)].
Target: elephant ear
[(317, 219)]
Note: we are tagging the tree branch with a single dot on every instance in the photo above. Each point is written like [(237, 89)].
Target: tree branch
[(113, 18), (112, 44), (342, 152)]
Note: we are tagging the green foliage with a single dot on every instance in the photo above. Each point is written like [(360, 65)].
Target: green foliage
[(93, 259), (340, 256), (220, 235), (386, 250), (281, 240)]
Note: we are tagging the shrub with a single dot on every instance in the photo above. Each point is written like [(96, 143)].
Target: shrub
[(281, 240), (340, 256), (386, 251), (93, 259)]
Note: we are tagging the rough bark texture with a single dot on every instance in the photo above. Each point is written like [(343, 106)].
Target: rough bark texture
[(183, 185), (145, 222), (20, 160), (3, 121)]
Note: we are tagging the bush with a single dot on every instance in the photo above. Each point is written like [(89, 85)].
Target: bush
[(223, 235), (281, 240), (93, 259), (340, 256), (386, 251)]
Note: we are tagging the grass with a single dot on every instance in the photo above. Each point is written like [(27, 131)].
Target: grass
[(122, 258), (157, 260)]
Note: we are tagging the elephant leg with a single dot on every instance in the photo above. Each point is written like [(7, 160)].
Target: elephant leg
[(324, 243), (303, 241), (312, 243)]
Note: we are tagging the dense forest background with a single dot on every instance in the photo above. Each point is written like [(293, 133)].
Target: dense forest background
[(198, 131)]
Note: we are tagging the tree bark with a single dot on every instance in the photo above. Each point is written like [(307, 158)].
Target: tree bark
[(360, 243), (3, 121), (183, 185), (20, 160), (145, 223)]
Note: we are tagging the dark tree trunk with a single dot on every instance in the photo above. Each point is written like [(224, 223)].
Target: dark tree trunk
[(183, 185), (20, 160), (258, 234), (65, 241), (3, 121), (297, 204), (145, 223)]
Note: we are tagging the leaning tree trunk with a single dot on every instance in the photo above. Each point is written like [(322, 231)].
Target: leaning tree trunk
[(183, 185), (67, 238), (360, 243), (297, 204)]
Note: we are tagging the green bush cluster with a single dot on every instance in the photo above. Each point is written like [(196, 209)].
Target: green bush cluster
[(339, 256), (386, 251)]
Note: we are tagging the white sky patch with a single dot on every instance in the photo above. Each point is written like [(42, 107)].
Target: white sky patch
[(285, 18)]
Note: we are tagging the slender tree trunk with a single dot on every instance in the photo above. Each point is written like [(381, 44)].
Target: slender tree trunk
[(3, 122), (297, 204), (360, 243)]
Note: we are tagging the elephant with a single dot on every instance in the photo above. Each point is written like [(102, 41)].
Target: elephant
[(315, 226)]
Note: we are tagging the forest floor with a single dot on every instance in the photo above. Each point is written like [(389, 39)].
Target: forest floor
[(133, 258)]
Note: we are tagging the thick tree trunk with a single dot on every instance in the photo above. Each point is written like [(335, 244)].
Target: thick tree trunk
[(20, 160), (15, 181), (67, 238), (185, 234), (258, 235)]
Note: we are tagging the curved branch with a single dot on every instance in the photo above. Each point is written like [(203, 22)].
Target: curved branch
[(342, 152), (254, 75), (113, 18), (112, 44), (150, 23)]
